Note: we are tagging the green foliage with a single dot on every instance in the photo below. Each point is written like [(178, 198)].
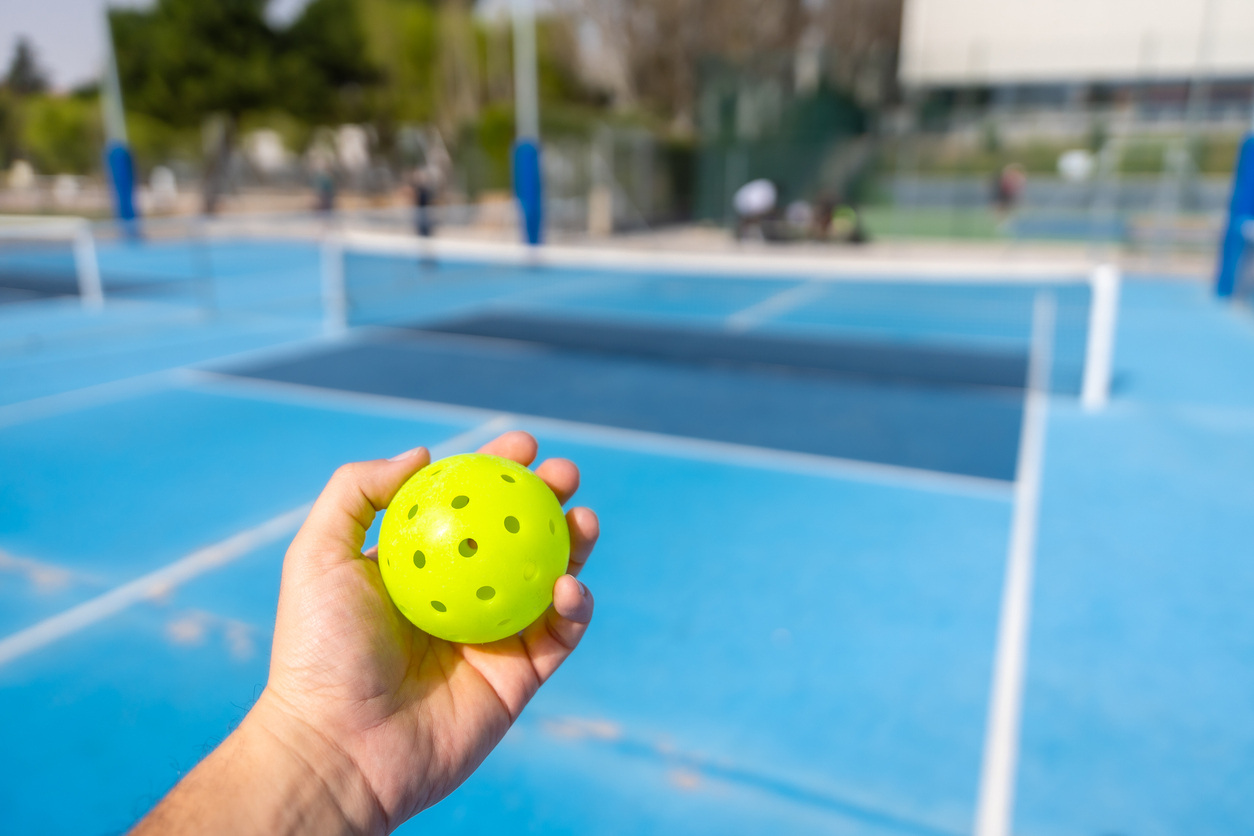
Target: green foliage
[(494, 135), (401, 39), (10, 128), (154, 142), (61, 134), (184, 59), (323, 61)]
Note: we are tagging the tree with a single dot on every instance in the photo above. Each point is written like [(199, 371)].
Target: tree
[(324, 59), (191, 63), (184, 59), (25, 76)]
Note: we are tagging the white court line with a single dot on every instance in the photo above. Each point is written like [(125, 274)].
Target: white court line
[(994, 815), (98, 394), (773, 306), (718, 452), (161, 581), (152, 585), (739, 265), (85, 398)]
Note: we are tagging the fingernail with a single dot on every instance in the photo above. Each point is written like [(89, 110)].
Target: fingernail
[(408, 454), (583, 590)]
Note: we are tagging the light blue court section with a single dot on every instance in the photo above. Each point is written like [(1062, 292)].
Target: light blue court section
[(660, 298), (1178, 345), (275, 277), (831, 644), (184, 259), (1137, 716), (1142, 660), (118, 490), (820, 666), (48, 347), (995, 316), (126, 708)]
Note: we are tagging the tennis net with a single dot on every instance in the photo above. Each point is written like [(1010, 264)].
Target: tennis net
[(948, 324), (47, 257)]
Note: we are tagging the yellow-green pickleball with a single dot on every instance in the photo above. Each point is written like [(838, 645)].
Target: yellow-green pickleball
[(471, 546)]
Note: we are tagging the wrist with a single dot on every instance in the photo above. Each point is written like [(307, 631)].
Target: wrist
[(274, 775), (322, 788)]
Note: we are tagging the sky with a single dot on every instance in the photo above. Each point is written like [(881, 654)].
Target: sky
[(68, 35)]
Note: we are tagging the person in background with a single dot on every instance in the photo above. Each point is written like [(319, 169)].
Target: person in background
[(1008, 188), (423, 186), (324, 190), (754, 202)]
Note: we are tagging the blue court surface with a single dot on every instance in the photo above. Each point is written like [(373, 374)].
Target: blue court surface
[(807, 491)]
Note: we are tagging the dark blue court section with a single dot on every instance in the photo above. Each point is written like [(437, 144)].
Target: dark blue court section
[(881, 360), (970, 430)]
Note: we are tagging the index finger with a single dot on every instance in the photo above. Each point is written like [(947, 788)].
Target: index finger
[(515, 445), (560, 475)]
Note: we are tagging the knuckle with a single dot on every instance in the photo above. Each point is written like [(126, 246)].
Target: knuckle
[(347, 473)]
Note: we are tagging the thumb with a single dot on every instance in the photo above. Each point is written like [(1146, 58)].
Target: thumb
[(336, 526)]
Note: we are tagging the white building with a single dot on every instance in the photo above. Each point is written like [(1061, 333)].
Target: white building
[(956, 43)]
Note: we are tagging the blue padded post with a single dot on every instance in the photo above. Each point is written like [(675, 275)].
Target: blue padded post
[(529, 189), (1240, 210)]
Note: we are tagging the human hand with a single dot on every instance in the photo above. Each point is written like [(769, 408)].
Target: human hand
[(367, 720)]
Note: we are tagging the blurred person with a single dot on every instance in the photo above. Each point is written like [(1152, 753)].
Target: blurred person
[(1008, 189), (799, 218), (423, 185), (366, 720), (324, 191), (754, 202), (847, 225), (824, 209)]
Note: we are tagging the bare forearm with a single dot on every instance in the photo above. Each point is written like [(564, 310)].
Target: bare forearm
[(269, 777)]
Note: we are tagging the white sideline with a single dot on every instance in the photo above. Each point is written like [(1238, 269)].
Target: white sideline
[(773, 306), (163, 580), (995, 802)]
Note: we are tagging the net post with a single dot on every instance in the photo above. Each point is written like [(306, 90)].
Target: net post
[(334, 298), (90, 289), (1100, 348)]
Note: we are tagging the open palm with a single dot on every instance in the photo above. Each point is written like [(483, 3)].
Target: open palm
[(410, 714)]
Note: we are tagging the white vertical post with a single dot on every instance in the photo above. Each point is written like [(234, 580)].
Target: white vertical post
[(90, 289), (526, 96), (111, 91), (334, 292), (1100, 349)]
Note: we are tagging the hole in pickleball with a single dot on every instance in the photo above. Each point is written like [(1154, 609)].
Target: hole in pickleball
[(502, 622), (529, 571), (552, 528), (438, 607), (413, 511), (511, 525), (468, 547), (485, 593), (461, 501), (420, 559), (507, 477)]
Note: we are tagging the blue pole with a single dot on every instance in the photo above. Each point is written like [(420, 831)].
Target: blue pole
[(1240, 210), (122, 178), (529, 189)]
